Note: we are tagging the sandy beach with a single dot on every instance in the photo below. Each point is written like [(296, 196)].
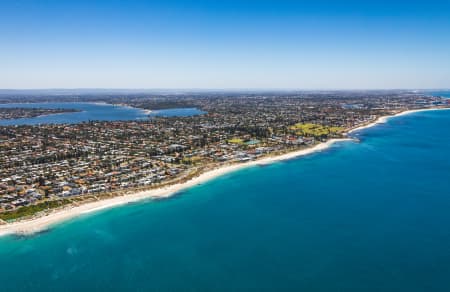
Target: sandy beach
[(30, 226), (384, 119), (144, 111)]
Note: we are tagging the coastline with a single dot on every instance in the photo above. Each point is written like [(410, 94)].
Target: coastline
[(384, 119), (41, 116), (30, 226), (33, 225), (144, 111)]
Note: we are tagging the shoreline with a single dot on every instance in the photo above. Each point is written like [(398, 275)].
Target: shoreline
[(144, 111), (30, 226), (40, 116), (384, 119), (33, 225)]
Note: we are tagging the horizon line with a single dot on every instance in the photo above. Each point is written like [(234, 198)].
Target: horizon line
[(216, 89)]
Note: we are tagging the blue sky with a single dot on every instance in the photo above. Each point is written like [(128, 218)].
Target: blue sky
[(225, 44)]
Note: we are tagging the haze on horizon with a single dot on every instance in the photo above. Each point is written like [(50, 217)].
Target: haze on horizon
[(225, 44)]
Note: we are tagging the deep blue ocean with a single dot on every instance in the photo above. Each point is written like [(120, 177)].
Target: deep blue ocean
[(441, 93), (368, 216)]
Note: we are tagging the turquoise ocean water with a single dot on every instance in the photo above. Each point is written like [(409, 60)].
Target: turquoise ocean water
[(368, 216)]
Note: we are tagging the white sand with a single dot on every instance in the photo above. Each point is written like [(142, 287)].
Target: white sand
[(384, 119), (30, 226), (37, 224)]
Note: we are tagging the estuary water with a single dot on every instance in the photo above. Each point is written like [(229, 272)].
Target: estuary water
[(368, 216), (89, 112), (177, 112)]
